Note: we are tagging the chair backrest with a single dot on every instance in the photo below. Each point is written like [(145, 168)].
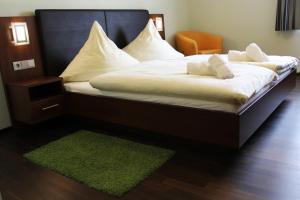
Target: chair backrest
[(204, 40)]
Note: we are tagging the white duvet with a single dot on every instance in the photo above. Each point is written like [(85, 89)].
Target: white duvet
[(169, 78)]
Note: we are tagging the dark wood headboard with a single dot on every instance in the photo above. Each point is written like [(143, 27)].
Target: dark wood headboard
[(63, 32)]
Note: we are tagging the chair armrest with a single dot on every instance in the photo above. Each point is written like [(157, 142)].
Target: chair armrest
[(186, 45)]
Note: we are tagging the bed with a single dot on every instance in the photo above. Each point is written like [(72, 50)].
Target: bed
[(63, 33)]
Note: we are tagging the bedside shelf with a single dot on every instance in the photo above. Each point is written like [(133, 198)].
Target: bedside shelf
[(36, 100), (45, 91)]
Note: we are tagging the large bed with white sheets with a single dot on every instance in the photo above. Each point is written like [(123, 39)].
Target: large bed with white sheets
[(166, 82), (158, 95)]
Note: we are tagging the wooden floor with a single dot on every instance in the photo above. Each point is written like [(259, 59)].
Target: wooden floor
[(268, 167)]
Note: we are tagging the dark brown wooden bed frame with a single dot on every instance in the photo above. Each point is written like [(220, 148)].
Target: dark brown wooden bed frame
[(205, 126)]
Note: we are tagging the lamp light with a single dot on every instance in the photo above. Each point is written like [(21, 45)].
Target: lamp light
[(159, 23), (20, 33)]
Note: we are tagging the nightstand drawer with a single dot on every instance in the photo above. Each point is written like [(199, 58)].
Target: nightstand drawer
[(46, 109)]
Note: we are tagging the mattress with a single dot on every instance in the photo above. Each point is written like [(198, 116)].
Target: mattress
[(86, 89)]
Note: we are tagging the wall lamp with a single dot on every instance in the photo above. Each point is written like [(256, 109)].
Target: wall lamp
[(159, 23), (20, 33), (158, 20)]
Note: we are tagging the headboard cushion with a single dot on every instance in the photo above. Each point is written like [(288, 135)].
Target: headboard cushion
[(63, 32), (123, 27)]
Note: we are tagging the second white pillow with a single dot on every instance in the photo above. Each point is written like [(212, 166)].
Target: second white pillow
[(150, 46)]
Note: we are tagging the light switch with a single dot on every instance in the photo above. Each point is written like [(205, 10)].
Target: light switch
[(31, 63), (24, 64)]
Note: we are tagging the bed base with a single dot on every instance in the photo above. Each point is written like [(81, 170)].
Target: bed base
[(230, 130)]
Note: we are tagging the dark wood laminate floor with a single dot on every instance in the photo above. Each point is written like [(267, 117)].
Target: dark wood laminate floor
[(268, 167)]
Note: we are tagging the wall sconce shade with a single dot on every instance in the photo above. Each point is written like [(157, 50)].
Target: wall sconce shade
[(159, 23), (158, 20), (20, 33)]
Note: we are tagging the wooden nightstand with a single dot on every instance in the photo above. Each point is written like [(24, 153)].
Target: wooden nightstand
[(36, 100)]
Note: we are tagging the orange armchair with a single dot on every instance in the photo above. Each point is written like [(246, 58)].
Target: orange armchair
[(193, 43)]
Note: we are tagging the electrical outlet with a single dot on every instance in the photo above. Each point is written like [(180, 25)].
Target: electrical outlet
[(24, 64), (17, 65)]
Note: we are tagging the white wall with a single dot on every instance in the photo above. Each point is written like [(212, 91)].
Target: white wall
[(239, 21), (242, 22), (175, 10)]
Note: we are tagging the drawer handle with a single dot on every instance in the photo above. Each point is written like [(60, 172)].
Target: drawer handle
[(50, 107)]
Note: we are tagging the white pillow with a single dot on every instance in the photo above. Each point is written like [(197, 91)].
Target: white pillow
[(98, 55), (150, 46)]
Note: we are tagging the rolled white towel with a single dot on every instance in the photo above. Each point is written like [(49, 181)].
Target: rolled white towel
[(254, 52), (220, 67), (201, 69), (238, 56)]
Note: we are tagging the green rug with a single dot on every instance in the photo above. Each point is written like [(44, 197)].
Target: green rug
[(102, 162)]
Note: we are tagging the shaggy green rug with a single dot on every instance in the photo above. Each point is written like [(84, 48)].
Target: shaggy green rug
[(102, 162)]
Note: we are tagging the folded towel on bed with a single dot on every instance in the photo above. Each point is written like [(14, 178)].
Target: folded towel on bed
[(220, 67), (201, 69), (254, 52), (216, 66), (255, 56), (238, 56), (277, 64)]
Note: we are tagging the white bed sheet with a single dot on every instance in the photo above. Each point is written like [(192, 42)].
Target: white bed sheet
[(87, 89)]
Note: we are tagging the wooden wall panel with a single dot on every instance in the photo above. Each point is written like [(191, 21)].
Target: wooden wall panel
[(10, 53)]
